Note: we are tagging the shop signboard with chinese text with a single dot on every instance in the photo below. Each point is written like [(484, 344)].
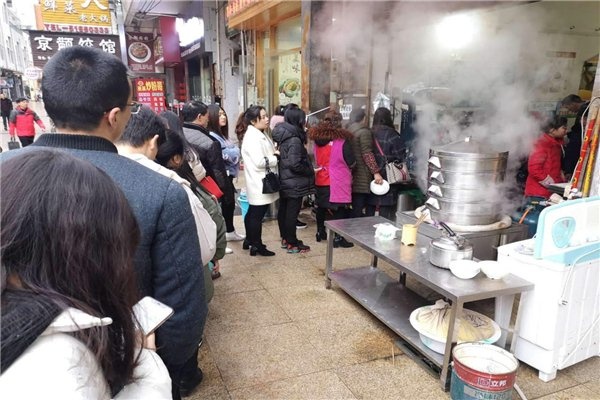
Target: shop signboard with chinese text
[(151, 92), (83, 16), (140, 51), (45, 44)]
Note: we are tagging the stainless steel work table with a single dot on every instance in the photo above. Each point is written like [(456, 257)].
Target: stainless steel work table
[(392, 302)]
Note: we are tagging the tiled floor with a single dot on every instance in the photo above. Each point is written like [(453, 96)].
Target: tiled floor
[(275, 332)]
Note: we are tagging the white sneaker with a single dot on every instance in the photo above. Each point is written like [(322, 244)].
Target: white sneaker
[(228, 250), (234, 236)]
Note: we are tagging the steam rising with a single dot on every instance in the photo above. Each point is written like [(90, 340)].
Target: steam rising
[(497, 74)]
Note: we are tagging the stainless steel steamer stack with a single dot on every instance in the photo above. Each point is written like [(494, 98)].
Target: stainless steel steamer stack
[(462, 178)]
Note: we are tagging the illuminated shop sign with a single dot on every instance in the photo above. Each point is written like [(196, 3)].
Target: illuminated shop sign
[(84, 16)]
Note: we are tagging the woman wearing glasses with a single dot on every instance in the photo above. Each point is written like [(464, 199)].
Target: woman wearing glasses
[(258, 152)]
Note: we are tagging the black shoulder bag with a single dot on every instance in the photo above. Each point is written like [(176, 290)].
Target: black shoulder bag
[(270, 181)]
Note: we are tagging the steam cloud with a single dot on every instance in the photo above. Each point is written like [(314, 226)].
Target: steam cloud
[(499, 74)]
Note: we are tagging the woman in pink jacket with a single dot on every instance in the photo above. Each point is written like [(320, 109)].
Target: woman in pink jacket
[(334, 158)]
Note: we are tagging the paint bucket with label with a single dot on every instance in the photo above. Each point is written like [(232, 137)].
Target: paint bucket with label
[(482, 371)]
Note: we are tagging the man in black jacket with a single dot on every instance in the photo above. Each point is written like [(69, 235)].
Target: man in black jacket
[(195, 121), (88, 96), (6, 107)]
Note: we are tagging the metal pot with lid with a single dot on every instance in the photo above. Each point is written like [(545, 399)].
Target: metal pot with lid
[(449, 247)]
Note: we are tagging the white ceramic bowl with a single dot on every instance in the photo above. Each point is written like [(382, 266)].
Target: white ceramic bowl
[(464, 269), (381, 189), (494, 269)]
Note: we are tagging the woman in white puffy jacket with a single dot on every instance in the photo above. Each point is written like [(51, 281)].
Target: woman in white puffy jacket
[(257, 150), (68, 285)]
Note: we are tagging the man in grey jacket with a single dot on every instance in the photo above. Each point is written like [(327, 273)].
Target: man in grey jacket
[(88, 96)]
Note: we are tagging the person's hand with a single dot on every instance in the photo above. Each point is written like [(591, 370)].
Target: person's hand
[(277, 153), (378, 178)]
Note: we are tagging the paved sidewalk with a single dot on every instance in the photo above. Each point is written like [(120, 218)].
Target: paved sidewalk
[(275, 332)]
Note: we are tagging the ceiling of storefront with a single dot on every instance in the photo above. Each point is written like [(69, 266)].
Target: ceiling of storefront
[(142, 13)]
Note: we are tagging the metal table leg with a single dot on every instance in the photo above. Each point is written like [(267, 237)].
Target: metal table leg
[(450, 342), (329, 259)]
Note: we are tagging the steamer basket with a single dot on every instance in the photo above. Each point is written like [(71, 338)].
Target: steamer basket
[(463, 180)]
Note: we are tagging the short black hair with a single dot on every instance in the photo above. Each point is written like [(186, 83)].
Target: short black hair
[(80, 84), (20, 99), (572, 98), (192, 109), (143, 126), (554, 123), (357, 115)]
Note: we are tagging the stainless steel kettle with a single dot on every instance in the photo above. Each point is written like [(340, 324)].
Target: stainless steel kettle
[(449, 247)]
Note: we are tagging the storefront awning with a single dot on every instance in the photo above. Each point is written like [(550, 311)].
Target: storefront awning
[(263, 14)]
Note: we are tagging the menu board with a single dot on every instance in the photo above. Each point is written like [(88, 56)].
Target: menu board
[(151, 92)]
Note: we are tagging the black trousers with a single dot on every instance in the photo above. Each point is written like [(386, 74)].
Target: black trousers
[(253, 224), (228, 208), (388, 212), (340, 213), (5, 122), (359, 202), (26, 140), (289, 208), (182, 372)]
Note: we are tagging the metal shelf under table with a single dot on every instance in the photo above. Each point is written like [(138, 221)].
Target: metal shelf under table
[(377, 292)]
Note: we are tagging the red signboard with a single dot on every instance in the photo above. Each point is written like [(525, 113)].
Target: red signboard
[(151, 92), (140, 51)]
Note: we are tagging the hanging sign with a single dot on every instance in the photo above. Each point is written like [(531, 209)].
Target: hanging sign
[(140, 51), (151, 92)]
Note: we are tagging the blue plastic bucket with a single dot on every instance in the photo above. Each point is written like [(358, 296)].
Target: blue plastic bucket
[(243, 203), (482, 371)]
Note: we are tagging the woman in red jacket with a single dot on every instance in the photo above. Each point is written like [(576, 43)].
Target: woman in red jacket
[(544, 165)]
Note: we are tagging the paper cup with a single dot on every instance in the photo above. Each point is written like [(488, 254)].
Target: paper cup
[(409, 234)]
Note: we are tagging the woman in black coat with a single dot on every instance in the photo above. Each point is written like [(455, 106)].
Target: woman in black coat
[(296, 174), (393, 145)]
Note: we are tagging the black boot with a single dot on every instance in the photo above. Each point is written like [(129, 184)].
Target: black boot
[(321, 234), (339, 241), (245, 244), (261, 250)]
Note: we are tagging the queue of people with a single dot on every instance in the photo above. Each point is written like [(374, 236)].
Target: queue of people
[(123, 199)]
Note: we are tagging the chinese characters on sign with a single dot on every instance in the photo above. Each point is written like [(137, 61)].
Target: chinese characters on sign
[(140, 48), (151, 92), (84, 16), (45, 44)]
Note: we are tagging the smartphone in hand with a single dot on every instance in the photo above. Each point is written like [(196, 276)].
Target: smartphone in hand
[(150, 314)]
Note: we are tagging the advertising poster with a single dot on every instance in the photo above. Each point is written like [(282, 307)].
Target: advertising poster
[(45, 44), (140, 51), (289, 79), (82, 16), (151, 92)]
